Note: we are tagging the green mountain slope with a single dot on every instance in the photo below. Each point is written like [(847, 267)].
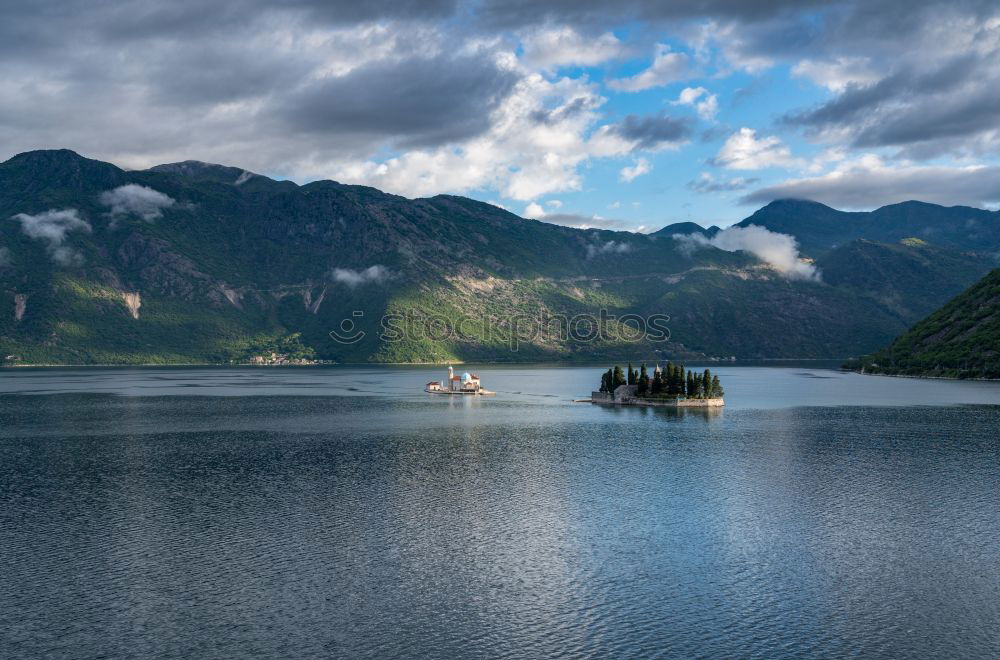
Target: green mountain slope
[(234, 262), (960, 340)]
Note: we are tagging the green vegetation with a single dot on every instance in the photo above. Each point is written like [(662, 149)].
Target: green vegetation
[(229, 271), (960, 340), (670, 382)]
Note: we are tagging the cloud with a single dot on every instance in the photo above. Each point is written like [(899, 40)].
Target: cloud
[(522, 156), (142, 201), (642, 166), (954, 106), (5, 259), (667, 67), (780, 251), (416, 102), (554, 203), (868, 182), (580, 221), (550, 48), (640, 132), (352, 278), (837, 74), (533, 211), (743, 151), (512, 14), (610, 247), (706, 108), (706, 183), (338, 94), (52, 226)]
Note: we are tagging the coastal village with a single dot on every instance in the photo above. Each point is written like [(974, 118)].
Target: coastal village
[(672, 386)]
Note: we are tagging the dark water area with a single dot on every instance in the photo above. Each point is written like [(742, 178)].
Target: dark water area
[(320, 513)]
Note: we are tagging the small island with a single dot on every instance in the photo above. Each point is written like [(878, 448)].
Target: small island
[(672, 387), (465, 384)]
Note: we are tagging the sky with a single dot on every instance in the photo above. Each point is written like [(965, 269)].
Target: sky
[(629, 115)]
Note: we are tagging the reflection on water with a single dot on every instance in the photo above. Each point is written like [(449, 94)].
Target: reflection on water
[(270, 524)]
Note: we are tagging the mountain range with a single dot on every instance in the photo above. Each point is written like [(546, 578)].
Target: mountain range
[(193, 262)]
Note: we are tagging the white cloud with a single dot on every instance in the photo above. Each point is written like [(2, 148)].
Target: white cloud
[(131, 198), (868, 182), (641, 167), (352, 278), (837, 73), (520, 156), (552, 48), (706, 108), (743, 151), (52, 227), (615, 205), (780, 251), (610, 247), (554, 203), (667, 67), (587, 221), (533, 211)]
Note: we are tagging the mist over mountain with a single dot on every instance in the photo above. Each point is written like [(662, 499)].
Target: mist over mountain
[(195, 262)]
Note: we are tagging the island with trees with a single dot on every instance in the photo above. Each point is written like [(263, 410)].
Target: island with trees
[(672, 386)]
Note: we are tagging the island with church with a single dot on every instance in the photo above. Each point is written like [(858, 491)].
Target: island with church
[(672, 386), (465, 384)]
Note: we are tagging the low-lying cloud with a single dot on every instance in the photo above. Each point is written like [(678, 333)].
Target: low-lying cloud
[(780, 251), (52, 226), (372, 275), (142, 201), (610, 247)]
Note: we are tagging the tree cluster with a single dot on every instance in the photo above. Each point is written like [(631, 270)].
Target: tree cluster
[(670, 382)]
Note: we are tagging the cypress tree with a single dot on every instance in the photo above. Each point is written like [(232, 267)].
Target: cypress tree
[(617, 378), (681, 384), (643, 382), (631, 374), (692, 391), (717, 392), (706, 380), (657, 385)]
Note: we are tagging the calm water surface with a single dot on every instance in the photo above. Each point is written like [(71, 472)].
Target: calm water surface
[(342, 512)]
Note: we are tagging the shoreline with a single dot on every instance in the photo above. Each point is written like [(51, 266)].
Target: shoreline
[(571, 362), (978, 380)]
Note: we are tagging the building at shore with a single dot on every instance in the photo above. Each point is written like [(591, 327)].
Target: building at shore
[(465, 384)]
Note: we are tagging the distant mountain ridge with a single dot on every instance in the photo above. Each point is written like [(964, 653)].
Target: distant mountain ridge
[(195, 262), (954, 227)]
